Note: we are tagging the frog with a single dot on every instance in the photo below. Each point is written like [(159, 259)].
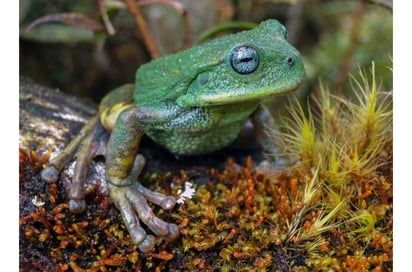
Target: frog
[(193, 102)]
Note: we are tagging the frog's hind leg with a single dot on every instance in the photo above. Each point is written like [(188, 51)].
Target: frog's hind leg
[(92, 140)]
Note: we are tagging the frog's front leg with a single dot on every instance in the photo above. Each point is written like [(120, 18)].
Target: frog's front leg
[(129, 196)]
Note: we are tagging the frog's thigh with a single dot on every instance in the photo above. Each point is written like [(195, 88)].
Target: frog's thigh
[(114, 103)]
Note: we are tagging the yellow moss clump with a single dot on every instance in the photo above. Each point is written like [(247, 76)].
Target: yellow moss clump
[(348, 147)]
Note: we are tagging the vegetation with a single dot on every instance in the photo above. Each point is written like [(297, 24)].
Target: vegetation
[(330, 211)]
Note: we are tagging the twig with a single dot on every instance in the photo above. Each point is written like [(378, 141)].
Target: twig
[(143, 29), (105, 17)]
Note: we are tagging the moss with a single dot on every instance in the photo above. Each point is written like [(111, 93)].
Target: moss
[(332, 210)]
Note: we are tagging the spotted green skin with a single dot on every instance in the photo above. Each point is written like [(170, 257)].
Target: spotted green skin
[(192, 102), (198, 103)]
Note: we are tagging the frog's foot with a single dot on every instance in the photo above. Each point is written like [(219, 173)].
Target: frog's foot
[(131, 200), (92, 139)]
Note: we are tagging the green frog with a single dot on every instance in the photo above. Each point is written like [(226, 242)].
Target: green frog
[(193, 102)]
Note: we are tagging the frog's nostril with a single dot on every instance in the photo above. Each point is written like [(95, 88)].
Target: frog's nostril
[(290, 60)]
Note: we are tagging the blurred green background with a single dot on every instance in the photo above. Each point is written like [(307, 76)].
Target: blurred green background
[(336, 38)]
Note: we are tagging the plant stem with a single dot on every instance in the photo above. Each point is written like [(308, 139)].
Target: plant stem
[(143, 28)]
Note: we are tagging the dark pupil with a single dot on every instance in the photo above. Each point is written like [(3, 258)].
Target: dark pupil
[(244, 59)]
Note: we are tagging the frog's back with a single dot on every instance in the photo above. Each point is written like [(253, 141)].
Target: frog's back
[(168, 77)]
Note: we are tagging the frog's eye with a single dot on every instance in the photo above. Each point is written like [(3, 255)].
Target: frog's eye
[(244, 59)]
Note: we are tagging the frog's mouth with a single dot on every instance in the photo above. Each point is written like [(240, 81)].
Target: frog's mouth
[(239, 96)]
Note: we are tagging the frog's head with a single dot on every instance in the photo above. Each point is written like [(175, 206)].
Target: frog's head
[(248, 66)]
